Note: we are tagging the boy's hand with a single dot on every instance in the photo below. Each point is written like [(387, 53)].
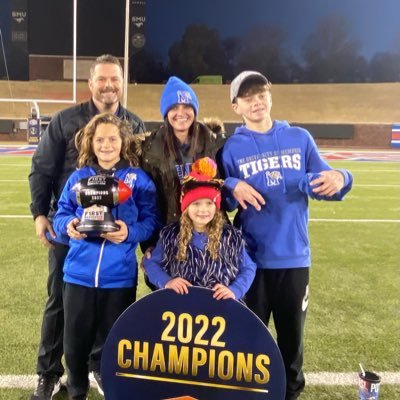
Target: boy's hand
[(178, 285), (329, 183), (118, 236), (222, 292), (243, 193), (72, 232)]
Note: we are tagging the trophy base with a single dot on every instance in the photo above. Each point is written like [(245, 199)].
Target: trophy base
[(94, 229)]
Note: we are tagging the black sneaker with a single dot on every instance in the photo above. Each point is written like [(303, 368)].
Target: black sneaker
[(47, 387), (95, 377)]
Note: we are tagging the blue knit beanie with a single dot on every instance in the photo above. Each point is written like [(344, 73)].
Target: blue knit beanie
[(177, 92)]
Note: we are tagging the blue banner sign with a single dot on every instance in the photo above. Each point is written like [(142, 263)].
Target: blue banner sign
[(168, 346)]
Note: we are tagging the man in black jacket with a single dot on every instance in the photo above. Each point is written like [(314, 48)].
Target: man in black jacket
[(52, 163)]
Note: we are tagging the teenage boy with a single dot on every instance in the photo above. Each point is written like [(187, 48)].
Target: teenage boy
[(271, 168)]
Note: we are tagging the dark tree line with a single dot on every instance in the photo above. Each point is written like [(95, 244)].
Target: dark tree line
[(329, 54)]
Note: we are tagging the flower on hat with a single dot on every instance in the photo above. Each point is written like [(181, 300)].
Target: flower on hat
[(201, 183), (203, 169)]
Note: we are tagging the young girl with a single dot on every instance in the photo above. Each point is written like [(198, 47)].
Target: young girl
[(201, 249), (100, 274)]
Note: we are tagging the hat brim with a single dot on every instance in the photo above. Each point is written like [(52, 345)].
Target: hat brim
[(254, 76)]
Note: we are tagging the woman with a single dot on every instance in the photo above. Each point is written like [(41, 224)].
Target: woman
[(169, 152)]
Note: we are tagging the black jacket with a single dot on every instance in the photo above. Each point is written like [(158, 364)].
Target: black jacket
[(163, 170), (55, 157)]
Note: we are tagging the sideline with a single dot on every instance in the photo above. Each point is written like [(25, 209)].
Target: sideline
[(312, 379), (391, 155)]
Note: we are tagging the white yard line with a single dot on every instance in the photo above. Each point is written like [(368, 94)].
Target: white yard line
[(14, 180), (356, 186), (347, 378), (323, 149), (396, 221), (312, 379), (16, 216), (353, 170), (15, 165), (20, 146), (344, 220)]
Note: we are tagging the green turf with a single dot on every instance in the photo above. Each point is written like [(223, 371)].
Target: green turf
[(15, 394), (387, 392), (354, 311)]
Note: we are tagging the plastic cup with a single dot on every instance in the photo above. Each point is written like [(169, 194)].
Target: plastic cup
[(368, 386)]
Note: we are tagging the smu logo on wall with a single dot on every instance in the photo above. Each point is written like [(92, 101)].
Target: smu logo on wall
[(191, 346), (137, 25)]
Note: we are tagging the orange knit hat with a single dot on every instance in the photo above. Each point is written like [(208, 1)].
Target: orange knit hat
[(201, 183)]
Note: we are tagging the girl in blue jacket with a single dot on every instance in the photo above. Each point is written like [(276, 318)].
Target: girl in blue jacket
[(100, 273), (201, 250)]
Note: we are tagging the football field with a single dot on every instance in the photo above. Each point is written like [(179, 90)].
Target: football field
[(354, 309)]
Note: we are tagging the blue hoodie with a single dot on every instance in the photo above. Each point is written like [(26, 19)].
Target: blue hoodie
[(275, 163)]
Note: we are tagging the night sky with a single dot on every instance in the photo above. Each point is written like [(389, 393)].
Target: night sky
[(374, 22)]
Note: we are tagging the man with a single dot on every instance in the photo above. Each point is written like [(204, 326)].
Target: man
[(52, 163), (271, 169)]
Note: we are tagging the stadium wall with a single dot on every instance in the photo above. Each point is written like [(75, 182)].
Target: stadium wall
[(369, 136), (337, 115)]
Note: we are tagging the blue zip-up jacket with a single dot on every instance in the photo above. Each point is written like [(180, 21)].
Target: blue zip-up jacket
[(98, 262), (275, 164)]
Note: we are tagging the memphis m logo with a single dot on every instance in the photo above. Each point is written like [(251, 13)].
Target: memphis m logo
[(184, 96), (273, 178), (130, 180), (182, 170)]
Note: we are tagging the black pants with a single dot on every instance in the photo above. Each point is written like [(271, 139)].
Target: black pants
[(51, 341), (284, 294), (89, 314)]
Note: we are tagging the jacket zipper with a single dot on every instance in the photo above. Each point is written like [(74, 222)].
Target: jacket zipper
[(96, 278)]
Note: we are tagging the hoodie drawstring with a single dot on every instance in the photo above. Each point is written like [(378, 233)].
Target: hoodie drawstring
[(276, 142), (282, 170)]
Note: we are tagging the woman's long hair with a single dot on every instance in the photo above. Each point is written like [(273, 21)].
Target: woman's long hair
[(196, 140), (214, 232), (84, 140)]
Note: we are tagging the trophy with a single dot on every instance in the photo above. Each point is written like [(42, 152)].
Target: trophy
[(97, 195)]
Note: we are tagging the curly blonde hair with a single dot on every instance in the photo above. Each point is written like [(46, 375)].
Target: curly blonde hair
[(214, 232), (84, 140)]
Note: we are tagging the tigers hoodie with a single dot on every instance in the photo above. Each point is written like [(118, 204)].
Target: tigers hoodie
[(275, 164)]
